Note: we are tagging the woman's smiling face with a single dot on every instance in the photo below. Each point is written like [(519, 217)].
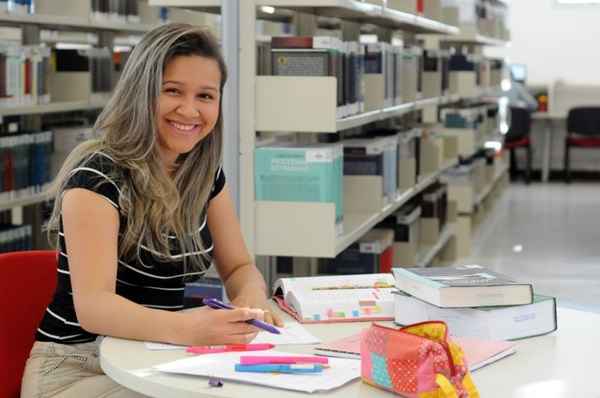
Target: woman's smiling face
[(188, 104)]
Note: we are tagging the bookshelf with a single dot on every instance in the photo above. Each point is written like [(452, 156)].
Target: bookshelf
[(59, 21), (272, 240), (280, 228), (54, 23)]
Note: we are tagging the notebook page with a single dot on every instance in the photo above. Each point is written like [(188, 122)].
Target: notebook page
[(339, 372)]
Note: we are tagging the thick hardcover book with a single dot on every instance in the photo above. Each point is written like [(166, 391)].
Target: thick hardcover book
[(496, 323), (340, 298), (462, 286)]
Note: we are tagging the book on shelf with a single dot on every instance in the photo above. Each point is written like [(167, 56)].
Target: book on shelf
[(434, 204), (373, 156), (432, 74), (120, 11), (411, 74), (405, 223), (478, 352), (340, 298), (23, 74), (495, 323), (310, 56), (462, 286), (398, 67), (15, 237), (101, 65), (24, 164), (371, 254), (70, 78), (301, 173)]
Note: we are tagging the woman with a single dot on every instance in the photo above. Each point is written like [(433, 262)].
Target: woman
[(139, 212)]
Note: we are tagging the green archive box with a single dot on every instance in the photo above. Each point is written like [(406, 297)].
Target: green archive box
[(301, 173)]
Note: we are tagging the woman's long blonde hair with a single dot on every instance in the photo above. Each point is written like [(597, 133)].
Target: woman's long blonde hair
[(155, 203)]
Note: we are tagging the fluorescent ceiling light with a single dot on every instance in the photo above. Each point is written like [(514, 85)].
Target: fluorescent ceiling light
[(496, 145), (72, 46), (268, 9)]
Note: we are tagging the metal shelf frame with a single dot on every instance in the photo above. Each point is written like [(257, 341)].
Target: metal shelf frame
[(54, 21)]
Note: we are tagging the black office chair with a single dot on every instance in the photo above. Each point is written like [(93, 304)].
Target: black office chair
[(583, 131), (518, 137)]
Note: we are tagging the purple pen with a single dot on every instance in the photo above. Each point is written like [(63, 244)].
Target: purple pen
[(219, 305)]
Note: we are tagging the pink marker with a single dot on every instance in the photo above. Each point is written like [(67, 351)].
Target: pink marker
[(284, 360), (214, 349)]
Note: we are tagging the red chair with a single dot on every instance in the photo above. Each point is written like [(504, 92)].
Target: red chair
[(28, 283), (583, 131)]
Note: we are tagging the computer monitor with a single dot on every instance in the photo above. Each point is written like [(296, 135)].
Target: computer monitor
[(518, 73)]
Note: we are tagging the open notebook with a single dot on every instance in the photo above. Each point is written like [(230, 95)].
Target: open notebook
[(339, 298), (478, 352)]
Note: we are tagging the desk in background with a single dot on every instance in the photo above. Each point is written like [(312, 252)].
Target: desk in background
[(549, 120), (562, 364)]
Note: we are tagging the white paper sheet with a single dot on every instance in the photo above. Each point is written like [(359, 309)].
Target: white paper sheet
[(340, 371), (291, 333)]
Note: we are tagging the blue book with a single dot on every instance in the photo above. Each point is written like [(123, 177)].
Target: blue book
[(300, 173), (40, 156)]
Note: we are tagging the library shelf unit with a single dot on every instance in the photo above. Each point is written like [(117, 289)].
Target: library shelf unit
[(272, 240), (70, 22), (21, 206)]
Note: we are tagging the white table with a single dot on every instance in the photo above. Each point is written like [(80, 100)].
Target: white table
[(549, 119), (562, 364)]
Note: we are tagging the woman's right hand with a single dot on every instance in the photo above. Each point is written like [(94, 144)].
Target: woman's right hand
[(207, 326)]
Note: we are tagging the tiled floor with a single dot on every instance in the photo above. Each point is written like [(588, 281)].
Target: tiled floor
[(548, 234)]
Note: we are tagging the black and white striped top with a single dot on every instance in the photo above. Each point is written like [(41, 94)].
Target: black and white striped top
[(148, 281)]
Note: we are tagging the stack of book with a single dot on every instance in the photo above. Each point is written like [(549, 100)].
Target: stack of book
[(321, 56), (23, 74), (115, 10), (473, 301), (15, 238), (24, 163)]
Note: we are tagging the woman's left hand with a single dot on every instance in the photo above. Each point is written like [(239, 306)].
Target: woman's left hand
[(258, 300)]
